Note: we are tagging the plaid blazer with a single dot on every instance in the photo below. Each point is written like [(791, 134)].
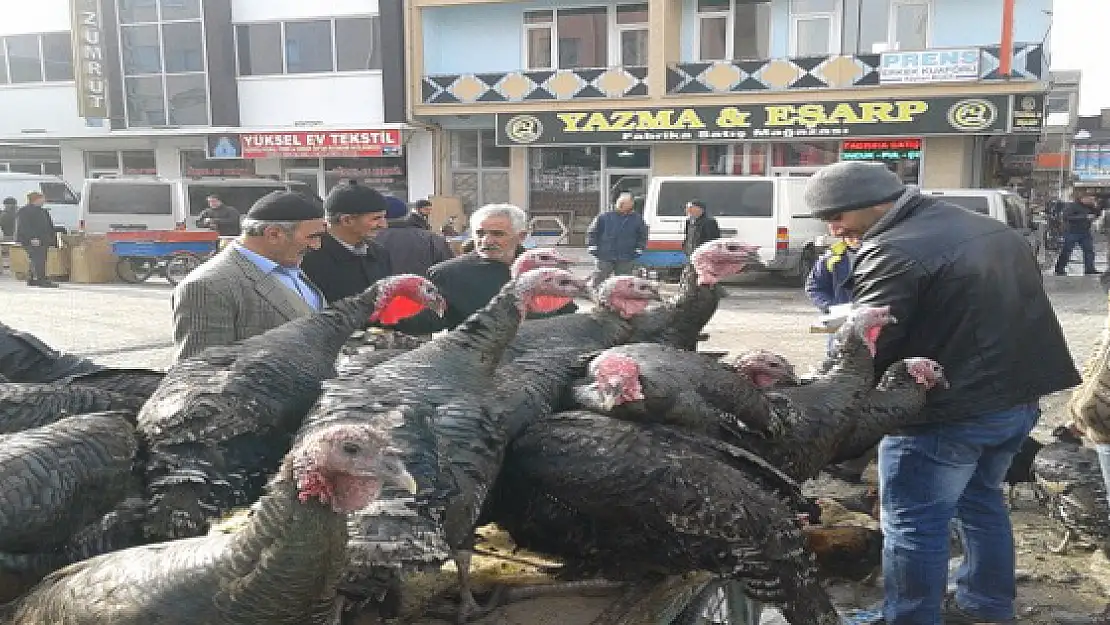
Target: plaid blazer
[(228, 299)]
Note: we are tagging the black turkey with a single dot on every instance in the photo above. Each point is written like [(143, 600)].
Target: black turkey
[(60, 479), (280, 568), (1069, 476), (221, 421), (650, 382), (680, 321), (619, 299), (451, 441), (139, 383), (24, 358), (630, 501), (26, 406)]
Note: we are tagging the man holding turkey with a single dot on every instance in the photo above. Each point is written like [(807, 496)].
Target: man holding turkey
[(966, 293)]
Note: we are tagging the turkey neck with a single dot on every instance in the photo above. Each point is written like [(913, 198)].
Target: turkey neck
[(484, 335), (679, 321), (286, 560), (895, 403), (614, 327)]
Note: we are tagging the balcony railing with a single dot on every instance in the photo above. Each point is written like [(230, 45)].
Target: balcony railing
[(785, 74), (834, 71)]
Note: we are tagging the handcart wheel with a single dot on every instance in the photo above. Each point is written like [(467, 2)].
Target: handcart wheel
[(134, 270), (179, 265)]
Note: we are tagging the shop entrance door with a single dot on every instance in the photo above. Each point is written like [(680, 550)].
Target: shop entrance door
[(794, 172), (310, 177), (634, 181)]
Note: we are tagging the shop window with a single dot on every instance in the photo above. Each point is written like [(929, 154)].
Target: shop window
[(346, 44), (195, 164), (805, 153), (894, 25), (120, 163), (814, 27), (479, 168), (387, 174), (734, 29), (739, 198), (734, 159), (627, 158)]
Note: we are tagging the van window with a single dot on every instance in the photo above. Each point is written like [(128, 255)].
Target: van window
[(57, 193), (726, 198), (131, 199), (976, 203), (241, 197)]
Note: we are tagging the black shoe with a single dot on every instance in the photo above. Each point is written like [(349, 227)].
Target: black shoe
[(955, 615), (46, 284), (1060, 273)]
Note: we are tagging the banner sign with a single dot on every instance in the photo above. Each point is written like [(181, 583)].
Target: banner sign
[(945, 115), (305, 144), (87, 38), (881, 149), (900, 68), (1027, 114)]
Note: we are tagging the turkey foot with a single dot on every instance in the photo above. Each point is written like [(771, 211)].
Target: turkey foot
[(469, 608)]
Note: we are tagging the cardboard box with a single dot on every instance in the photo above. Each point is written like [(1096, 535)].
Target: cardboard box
[(92, 261), (57, 263), (443, 208)]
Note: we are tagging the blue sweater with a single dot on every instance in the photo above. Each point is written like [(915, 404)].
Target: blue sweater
[(828, 287)]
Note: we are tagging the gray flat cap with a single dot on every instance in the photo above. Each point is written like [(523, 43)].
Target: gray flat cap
[(849, 186)]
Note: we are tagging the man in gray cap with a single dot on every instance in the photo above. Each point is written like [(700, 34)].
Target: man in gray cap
[(254, 284), (967, 293)]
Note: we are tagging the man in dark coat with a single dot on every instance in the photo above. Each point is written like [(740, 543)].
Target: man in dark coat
[(7, 217), (616, 239), (349, 259), (421, 212), (700, 227), (1078, 217), (222, 218), (966, 293), (34, 231), (412, 247)]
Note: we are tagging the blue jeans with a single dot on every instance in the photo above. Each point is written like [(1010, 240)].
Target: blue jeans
[(946, 471), (1086, 242), (1104, 457)]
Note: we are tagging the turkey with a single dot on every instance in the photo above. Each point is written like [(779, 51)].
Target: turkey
[(680, 321), (649, 382), (1069, 476), (630, 501), (537, 258), (59, 479), (140, 383), (26, 406), (281, 567), (619, 299), (222, 420), (450, 441), (24, 358)]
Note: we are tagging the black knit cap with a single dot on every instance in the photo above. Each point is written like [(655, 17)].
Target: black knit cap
[(285, 206), (351, 198)]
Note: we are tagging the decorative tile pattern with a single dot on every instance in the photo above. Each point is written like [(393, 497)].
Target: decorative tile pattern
[(532, 86), (826, 72)]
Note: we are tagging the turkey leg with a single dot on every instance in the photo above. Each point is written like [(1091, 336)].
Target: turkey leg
[(469, 608)]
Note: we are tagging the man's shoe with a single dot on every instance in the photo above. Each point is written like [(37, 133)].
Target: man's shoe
[(47, 284), (1060, 273), (955, 615)]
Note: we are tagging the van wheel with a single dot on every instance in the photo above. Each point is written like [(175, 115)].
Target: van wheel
[(805, 266)]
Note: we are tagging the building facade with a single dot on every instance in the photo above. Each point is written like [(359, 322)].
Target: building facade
[(1052, 176), (311, 91), (559, 105)]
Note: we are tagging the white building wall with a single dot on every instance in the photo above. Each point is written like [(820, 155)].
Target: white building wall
[(421, 165), (330, 100), (28, 110), (264, 10), (17, 18)]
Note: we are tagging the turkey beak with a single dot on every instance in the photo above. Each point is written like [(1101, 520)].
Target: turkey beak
[(394, 472), (610, 396)]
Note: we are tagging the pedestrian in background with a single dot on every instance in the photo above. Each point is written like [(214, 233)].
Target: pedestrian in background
[(7, 217), (616, 239), (34, 231), (699, 228), (349, 259), (1078, 217), (829, 283), (421, 214), (224, 219), (409, 242)]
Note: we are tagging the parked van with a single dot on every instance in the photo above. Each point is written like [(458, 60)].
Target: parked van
[(768, 211), (61, 201), (109, 204), (1001, 204)]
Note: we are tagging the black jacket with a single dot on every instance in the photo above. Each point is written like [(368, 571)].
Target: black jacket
[(7, 221), (225, 219), (468, 283), (34, 222), (340, 273), (966, 292), (699, 231), (1078, 218), (411, 247)]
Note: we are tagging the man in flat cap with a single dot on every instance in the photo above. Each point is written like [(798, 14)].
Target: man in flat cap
[(255, 284), (967, 293), (349, 260)]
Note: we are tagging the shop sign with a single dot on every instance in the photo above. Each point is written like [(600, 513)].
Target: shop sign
[(1027, 114), (87, 39), (986, 114), (1091, 161), (305, 144), (929, 66), (881, 149)]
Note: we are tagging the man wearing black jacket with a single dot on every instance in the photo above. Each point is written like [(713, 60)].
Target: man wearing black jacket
[(700, 227), (349, 260), (34, 231), (966, 293), (1078, 217)]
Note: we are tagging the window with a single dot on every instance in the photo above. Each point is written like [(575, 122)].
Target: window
[(240, 196), (24, 58), (387, 174), (580, 38), (805, 153), (737, 159), (479, 168), (195, 164), (36, 58), (733, 198), (734, 29), (125, 162), (163, 60), (1058, 104), (632, 30), (814, 27), (57, 56), (131, 199), (893, 24), (57, 193), (347, 44)]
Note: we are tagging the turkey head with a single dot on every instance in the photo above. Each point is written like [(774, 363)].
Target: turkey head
[(628, 296), (536, 258), (404, 295), (765, 368), (867, 322), (927, 373), (546, 290), (617, 379), (721, 258), (345, 466)]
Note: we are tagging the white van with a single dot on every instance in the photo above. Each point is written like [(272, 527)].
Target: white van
[(767, 211), (61, 201), (109, 204), (1001, 204)]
